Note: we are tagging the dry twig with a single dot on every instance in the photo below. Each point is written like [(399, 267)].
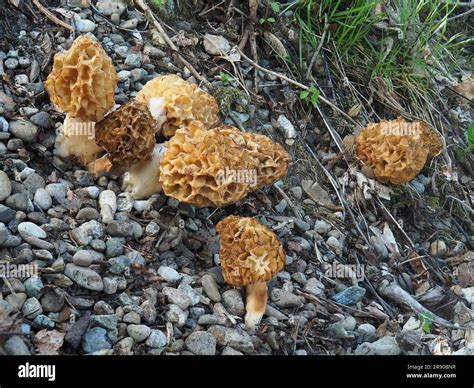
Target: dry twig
[(51, 17)]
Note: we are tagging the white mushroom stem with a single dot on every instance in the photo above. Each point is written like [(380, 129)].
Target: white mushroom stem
[(142, 181), (77, 138), (157, 108), (256, 304)]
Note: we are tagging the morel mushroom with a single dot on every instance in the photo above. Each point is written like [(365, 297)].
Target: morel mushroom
[(200, 167), (396, 151), (270, 157), (250, 255), (82, 84), (174, 102), (127, 135)]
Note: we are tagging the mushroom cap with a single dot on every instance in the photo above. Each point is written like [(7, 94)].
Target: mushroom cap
[(127, 134), (270, 157), (395, 158), (194, 167), (185, 102), (249, 251), (83, 80)]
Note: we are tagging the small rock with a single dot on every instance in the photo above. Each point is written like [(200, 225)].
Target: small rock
[(11, 63), (107, 321), (176, 315), (133, 60), (41, 119), (95, 339), (216, 44), (201, 343), (350, 296), (367, 333), (287, 128), (285, 299), (33, 286), (108, 205), (177, 297), (84, 277), (349, 323), (108, 7), (84, 25), (386, 346), (438, 248), (210, 287), (83, 258), (42, 199), (31, 308), (322, 227), (24, 130), (14, 346), (156, 339), (333, 243), (5, 186), (28, 229), (233, 302), (314, 286), (169, 274)]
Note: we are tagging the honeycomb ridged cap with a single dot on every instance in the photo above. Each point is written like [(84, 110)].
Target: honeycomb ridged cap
[(249, 251), (127, 134), (83, 80), (194, 167), (393, 157), (185, 102)]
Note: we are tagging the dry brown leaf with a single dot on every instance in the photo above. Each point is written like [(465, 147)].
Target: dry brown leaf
[(48, 342)]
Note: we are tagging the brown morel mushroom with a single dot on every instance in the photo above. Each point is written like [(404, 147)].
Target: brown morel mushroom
[(127, 135), (82, 84), (250, 256), (396, 150), (174, 102)]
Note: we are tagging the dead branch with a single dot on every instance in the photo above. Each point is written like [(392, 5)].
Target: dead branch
[(51, 17), (393, 291)]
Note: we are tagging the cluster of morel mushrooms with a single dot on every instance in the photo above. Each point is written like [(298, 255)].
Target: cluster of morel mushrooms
[(190, 166), (197, 149)]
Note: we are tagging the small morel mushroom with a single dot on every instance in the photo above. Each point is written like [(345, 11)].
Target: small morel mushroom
[(396, 151), (82, 84), (127, 135), (250, 256), (174, 102)]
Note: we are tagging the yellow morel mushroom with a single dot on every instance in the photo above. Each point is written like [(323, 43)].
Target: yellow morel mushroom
[(201, 167), (270, 157), (250, 255), (82, 84), (396, 151), (83, 80), (174, 102)]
